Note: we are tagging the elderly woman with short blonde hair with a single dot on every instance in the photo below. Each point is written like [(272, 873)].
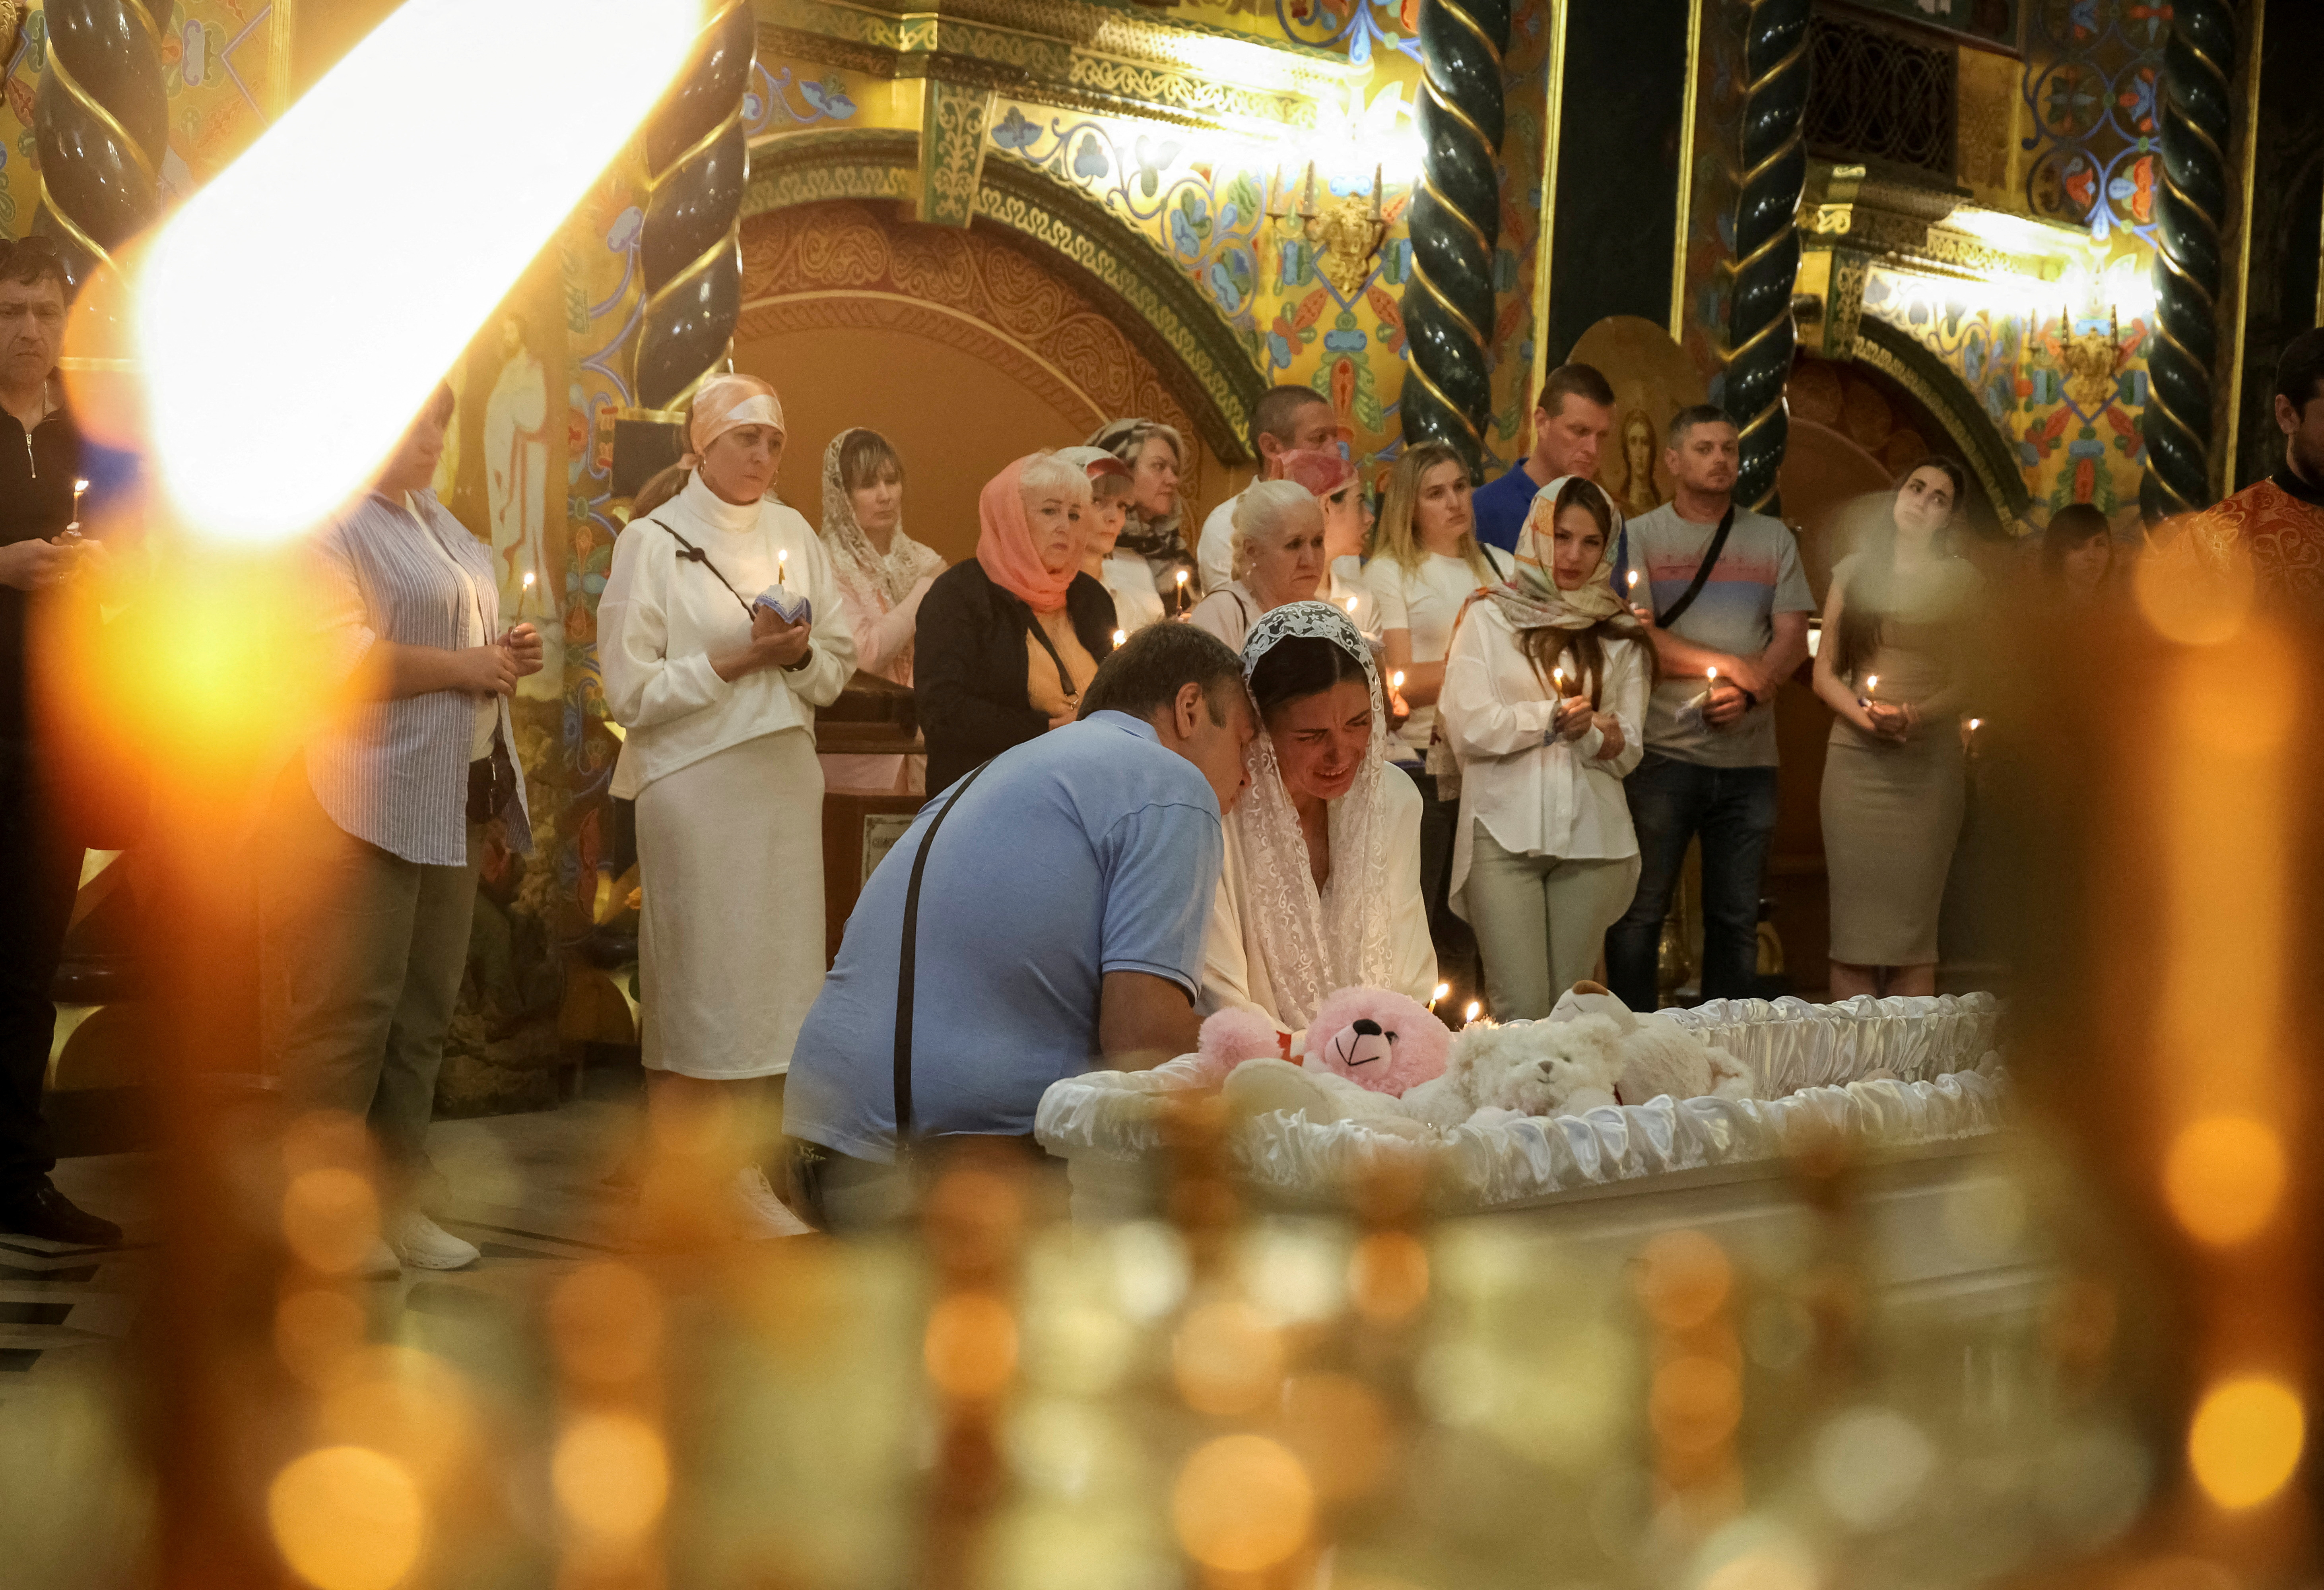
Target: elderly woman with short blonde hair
[(1009, 639)]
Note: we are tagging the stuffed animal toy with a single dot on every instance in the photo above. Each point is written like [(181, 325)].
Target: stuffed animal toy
[(1365, 1047), (1534, 1068), (1382, 1042), (1659, 1057)]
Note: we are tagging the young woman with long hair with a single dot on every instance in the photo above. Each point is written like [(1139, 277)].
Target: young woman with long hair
[(1545, 703), (1891, 668)]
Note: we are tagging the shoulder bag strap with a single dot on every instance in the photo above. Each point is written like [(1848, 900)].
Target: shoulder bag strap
[(906, 960), (1677, 610), (1064, 680), (694, 554)]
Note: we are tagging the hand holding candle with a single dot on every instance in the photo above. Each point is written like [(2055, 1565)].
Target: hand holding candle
[(778, 599)]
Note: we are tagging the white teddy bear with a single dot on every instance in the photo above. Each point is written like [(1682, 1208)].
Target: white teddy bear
[(1592, 1049)]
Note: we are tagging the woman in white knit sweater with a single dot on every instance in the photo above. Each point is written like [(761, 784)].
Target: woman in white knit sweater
[(718, 692)]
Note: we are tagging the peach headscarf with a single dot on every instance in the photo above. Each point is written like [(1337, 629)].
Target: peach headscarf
[(1004, 544), (729, 402)]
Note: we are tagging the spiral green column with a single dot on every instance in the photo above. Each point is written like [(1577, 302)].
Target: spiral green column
[(2197, 111), (1760, 335), (690, 253), (1456, 221), (100, 122)]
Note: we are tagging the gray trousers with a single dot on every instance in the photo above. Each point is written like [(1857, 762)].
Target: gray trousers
[(373, 949), (1540, 922)]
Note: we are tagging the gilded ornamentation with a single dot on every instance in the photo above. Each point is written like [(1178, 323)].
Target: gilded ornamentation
[(952, 150), (1896, 355), (1346, 231), (2092, 361)]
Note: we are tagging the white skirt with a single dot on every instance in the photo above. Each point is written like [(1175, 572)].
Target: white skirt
[(729, 936)]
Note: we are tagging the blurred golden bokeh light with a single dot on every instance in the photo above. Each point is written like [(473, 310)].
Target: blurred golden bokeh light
[(971, 1350), (1228, 1359), (2224, 1178), (2245, 1439), (1242, 1504), (331, 1218), (606, 1322), (347, 1518), (611, 1473)]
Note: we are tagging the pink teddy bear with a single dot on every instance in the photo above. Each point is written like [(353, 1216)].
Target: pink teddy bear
[(1380, 1041)]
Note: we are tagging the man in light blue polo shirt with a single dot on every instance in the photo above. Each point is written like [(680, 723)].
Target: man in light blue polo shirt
[(1060, 925)]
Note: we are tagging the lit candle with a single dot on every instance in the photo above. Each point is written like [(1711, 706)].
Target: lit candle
[(1710, 677), (1473, 1012), (1120, 636), (1351, 606), (1557, 682), (1871, 686), (79, 487), (1442, 991), (1633, 578), (528, 579), (782, 560), (1396, 680)]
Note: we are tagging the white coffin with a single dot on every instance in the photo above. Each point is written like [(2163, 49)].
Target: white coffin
[(1807, 1061)]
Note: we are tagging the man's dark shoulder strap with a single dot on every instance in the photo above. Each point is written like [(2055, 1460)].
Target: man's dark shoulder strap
[(1677, 610), (907, 961)]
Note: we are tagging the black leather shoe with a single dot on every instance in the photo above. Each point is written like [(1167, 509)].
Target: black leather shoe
[(45, 1212)]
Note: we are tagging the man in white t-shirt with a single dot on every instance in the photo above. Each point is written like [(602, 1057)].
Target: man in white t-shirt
[(1288, 419)]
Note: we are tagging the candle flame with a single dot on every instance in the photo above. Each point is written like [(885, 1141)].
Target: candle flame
[(1120, 636), (79, 487), (1974, 723), (1871, 683), (256, 276), (1182, 576), (1396, 680), (528, 579), (1351, 607), (1442, 991), (1633, 579), (1473, 1012)]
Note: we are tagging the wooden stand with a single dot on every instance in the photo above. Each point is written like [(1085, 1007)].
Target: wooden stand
[(872, 717)]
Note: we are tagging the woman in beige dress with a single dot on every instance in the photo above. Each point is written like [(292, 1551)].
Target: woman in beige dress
[(1891, 668)]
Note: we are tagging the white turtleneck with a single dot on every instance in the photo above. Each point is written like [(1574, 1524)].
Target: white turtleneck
[(663, 615)]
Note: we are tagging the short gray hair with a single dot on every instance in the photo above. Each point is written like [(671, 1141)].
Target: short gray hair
[(1265, 512), (1045, 471)]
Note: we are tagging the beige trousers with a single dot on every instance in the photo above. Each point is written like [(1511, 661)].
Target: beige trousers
[(1541, 922)]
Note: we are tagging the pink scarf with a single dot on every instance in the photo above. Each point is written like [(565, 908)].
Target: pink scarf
[(1004, 544)]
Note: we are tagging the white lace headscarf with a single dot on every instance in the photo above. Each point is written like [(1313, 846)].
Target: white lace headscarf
[(875, 581), (1314, 945)]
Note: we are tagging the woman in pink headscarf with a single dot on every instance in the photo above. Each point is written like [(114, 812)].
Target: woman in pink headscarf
[(1007, 640), (719, 634)]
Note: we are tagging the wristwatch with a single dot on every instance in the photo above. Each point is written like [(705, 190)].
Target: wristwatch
[(806, 658)]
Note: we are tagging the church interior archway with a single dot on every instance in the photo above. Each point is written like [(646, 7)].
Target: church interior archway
[(860, 318)]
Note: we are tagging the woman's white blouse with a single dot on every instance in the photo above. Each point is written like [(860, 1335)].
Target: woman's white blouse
[(1233, 978), (1427, 602), (1537, 798), (663, 615), (1130, 583)]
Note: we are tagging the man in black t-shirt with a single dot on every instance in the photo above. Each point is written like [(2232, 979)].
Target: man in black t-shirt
[(41, 458)]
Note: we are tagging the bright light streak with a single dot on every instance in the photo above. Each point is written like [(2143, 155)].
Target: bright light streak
[(290, 324)]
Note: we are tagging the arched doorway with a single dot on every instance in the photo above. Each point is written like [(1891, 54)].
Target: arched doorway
[(966, 348)]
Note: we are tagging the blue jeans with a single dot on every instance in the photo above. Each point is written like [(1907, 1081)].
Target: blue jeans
[(1734, 811)]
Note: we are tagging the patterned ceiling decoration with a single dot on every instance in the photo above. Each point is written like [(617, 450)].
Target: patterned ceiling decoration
[(2092, 157)]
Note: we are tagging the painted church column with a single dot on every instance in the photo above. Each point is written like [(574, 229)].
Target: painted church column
[(1456, 221), (1772, 166), (690, 253), (100, 118)]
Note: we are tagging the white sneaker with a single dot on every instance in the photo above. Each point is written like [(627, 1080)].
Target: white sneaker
[(423, 1245), (759, 1213), (379, 1263)]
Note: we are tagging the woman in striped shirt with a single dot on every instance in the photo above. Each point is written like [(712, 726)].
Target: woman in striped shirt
[(382, 822)]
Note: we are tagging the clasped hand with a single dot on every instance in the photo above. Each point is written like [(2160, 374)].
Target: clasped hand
[(494, 669), (775, 643), (1574, 717), (39, 565), (1889, 720)]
